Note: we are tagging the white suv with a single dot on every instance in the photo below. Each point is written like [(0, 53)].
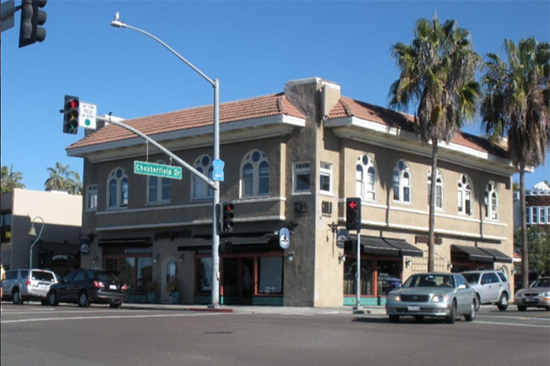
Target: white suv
[(492, 287), (28, 284)]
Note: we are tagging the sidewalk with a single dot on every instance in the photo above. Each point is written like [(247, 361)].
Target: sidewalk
[(280, 310)]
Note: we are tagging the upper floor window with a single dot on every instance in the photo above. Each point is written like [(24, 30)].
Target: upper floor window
[(491, 201), (201, 190), (158, 189), (325, 177), (117, 186), (464, 195), (365, 178), (402, 182), (301, 175), (255, 174), (438, 189), (91, 197)]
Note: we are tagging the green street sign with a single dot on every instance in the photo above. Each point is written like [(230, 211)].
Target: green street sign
[(157, 170)]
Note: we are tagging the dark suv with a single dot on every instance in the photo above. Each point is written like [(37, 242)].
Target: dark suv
[(86, 286)]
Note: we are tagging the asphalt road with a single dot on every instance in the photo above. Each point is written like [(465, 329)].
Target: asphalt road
[(68, 335)]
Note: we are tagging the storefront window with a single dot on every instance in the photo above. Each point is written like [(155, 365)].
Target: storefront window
[(135, 266), (204, 275), (144, 273), (271, 275), (389, 276), (350, 284), (127, 271)]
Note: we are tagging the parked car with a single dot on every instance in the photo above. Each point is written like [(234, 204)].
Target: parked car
[(491, 287), (536, 296), (445, 295), (86, 286), (26, 284)]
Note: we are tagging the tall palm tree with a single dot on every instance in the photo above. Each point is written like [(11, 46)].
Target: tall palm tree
[(438, 75), (11, 179), (63, 179), (517, 105)]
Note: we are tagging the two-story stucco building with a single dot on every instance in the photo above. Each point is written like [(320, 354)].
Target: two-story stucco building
[(291, 159)]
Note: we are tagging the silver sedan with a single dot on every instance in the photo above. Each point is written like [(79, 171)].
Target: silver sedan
[(537, 295), (445, 295)]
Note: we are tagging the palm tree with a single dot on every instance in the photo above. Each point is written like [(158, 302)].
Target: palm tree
[(11, 179), (517, 105), (437, 73), (63, 179)]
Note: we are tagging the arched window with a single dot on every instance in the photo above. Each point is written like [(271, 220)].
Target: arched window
[(464, 195), (158, 188), (365, 178), (402, 182), (438, 189), (201, 190), (491, 201), (117, 186), (255, 174)]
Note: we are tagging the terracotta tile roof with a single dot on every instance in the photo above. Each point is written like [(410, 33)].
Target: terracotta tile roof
[(264, 106), (348, 107)]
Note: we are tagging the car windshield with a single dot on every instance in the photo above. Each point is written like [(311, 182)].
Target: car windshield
[(107, 276), (541, 282), (430, 280), (472, 278)]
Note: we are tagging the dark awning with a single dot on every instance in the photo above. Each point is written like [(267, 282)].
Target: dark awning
[(498, 255), (406, 249), (60, 248), (236, 240), (126, 242), (387, 246), (475, 254)]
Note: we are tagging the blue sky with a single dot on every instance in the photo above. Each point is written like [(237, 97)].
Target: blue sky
[(253, 47)]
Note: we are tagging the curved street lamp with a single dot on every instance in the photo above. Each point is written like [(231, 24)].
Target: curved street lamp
[(32, 232), (216, 199)]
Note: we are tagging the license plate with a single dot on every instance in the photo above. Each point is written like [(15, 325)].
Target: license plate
[(414, 308), (112, 287)]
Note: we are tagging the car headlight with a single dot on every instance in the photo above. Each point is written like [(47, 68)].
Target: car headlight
[(395, 297), (546, 294), (519, 294), (440, 298)]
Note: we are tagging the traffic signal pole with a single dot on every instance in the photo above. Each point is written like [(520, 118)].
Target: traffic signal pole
[(215, 184)]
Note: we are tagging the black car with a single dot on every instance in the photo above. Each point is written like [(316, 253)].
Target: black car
[(86, 286)]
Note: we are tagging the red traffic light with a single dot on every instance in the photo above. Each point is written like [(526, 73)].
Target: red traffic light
[(352, 205), (73, 103)]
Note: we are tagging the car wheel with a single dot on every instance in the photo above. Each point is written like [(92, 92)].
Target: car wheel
[(452, 315), (522, 308), (115, 305), (503, 302), (478, 302), (548, 308), (471, 316), (16, 297), (394, 318), (52, 299), (83, 300)]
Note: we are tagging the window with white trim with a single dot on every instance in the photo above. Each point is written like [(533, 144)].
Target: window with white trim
[(117, 188), (491, 201), (402, 182), (255, 174), (301, 177), (438, 189), (542, 215), (91, 197), (365, 178), (528, 215), (464, 195), (200, 189), (158, 189), (325, 177)]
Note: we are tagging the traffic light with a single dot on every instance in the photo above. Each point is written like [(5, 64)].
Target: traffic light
[(227, 216), (70, 115), (353, 213), (31, 18)]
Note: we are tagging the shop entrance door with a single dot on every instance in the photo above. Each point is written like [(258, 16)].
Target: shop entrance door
[(238, 281)]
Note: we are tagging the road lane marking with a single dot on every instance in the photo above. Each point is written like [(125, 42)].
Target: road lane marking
[(107, 317)]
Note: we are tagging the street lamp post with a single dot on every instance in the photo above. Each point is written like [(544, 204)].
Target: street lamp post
[(32, 232), (216, 199)]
